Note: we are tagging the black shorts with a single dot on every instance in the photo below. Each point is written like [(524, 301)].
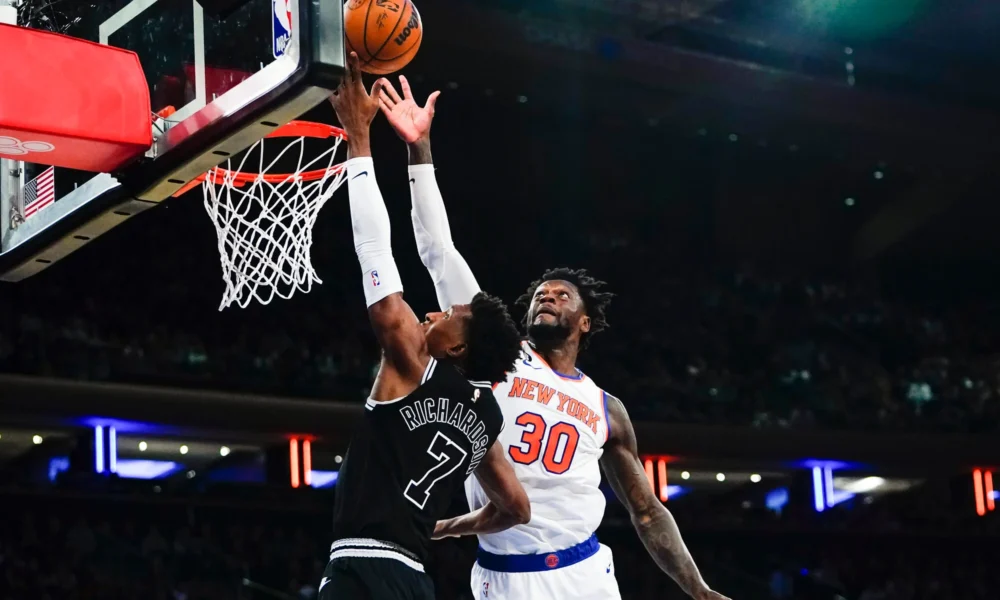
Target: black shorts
[(354, 578)]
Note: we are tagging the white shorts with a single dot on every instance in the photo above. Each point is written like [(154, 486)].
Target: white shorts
[(590, 579)]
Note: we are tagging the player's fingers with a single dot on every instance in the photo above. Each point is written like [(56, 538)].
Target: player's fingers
[(353, 67), (405, 85), (386, 84), (392, 93), (431, 101), (384, 97), (384, 107), (377, 87)]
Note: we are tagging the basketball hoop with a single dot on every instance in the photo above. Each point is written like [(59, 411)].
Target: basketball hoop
[(264, 220)]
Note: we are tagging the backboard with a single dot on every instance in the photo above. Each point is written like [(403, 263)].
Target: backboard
[(229, 82)]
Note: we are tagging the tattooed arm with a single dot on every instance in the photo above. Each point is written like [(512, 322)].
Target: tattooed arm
[(652, 521)]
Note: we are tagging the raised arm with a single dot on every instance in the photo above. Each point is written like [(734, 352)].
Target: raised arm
[(652, 521), (395, 325), (452, 277), (508, 505)]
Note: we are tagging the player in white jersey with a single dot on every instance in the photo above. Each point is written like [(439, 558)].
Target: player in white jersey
[(561, 429)]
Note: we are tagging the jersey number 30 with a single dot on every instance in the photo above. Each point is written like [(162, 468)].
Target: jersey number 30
[(449, 456), (530, 448)]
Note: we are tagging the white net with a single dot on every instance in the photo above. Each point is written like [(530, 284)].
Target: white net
[(265, 223)]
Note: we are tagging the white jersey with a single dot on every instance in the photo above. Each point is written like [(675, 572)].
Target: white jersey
[(554, 431)]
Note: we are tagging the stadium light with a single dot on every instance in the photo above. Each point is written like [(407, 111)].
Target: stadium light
[(146, 469), (293, 461), (324, 479), (224, 451), (661, 469), (755, 478), (307, 462), (977, 486), (184, 449), (863, 486), (985, 495), (98, 448), (818, 502), (112, 449)]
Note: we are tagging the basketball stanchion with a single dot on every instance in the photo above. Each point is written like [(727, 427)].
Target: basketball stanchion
[(264, 221)]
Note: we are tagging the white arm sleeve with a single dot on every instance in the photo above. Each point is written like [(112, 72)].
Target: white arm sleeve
[(370, 222), (453, 279)]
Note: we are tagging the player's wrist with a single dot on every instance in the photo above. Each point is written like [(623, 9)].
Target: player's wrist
[(420, 151), (358, 144), (441, 530)]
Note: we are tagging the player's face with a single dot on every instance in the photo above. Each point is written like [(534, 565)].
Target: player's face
[(445, 331), (556, 312)]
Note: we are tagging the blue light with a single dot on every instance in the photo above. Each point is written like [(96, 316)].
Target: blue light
[(127, 427), (818, 502), (112, 449), (833, 497), (324, 479), (824, 494), (673, 491), (57, 464), (146, 469), (810, 463), (99, 448), (776, 499)]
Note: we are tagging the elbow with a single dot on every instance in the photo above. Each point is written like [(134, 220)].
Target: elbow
[(644, 517), (521, 510), (513, 510)]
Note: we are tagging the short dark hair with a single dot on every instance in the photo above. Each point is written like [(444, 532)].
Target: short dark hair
[(595, 302), (492, 338)]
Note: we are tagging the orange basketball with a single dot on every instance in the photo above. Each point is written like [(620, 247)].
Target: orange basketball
[(386, 34)]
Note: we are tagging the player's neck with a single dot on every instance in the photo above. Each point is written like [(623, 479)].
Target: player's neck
[(561, 356)]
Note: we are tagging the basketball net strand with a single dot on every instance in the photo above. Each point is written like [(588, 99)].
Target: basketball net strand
[(265, 229)]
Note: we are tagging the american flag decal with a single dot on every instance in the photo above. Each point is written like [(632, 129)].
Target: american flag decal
[(40, 192)]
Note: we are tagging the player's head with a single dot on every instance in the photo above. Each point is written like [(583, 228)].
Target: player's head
[(565, 304), (480, 337)]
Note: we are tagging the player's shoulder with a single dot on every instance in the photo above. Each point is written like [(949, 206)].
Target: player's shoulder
[(449, 376), (482, 393)]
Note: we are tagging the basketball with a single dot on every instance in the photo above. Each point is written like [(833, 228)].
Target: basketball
[(386, 34)]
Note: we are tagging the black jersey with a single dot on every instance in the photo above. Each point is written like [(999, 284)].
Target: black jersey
[(409, 457)]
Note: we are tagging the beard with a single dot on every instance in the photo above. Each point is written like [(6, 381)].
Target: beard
[(548, 333)]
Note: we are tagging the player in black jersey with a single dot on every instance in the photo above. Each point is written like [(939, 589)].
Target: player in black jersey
[(431, 420)]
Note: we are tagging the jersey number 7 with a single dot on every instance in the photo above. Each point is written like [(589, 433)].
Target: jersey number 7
[(447, 456), (530, 448)]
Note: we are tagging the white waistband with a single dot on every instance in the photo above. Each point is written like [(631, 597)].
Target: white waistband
[(369, 548)]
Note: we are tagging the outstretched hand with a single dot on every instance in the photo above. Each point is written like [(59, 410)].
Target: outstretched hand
[(354, 105), (411, 121)]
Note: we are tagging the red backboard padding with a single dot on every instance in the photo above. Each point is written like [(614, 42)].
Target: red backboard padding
[(71, 103)]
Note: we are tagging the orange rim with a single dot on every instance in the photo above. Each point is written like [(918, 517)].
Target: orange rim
[(294, 129)]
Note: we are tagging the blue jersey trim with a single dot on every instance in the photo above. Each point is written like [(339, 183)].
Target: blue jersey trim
[(531, 563)]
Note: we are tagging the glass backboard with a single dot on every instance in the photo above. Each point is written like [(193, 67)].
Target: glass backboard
[(224, 82)]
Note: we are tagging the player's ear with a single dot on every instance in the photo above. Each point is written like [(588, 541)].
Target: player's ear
[(584, 324), (459, 350)]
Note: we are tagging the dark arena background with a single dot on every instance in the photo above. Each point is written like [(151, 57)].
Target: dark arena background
[(795, 202)]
